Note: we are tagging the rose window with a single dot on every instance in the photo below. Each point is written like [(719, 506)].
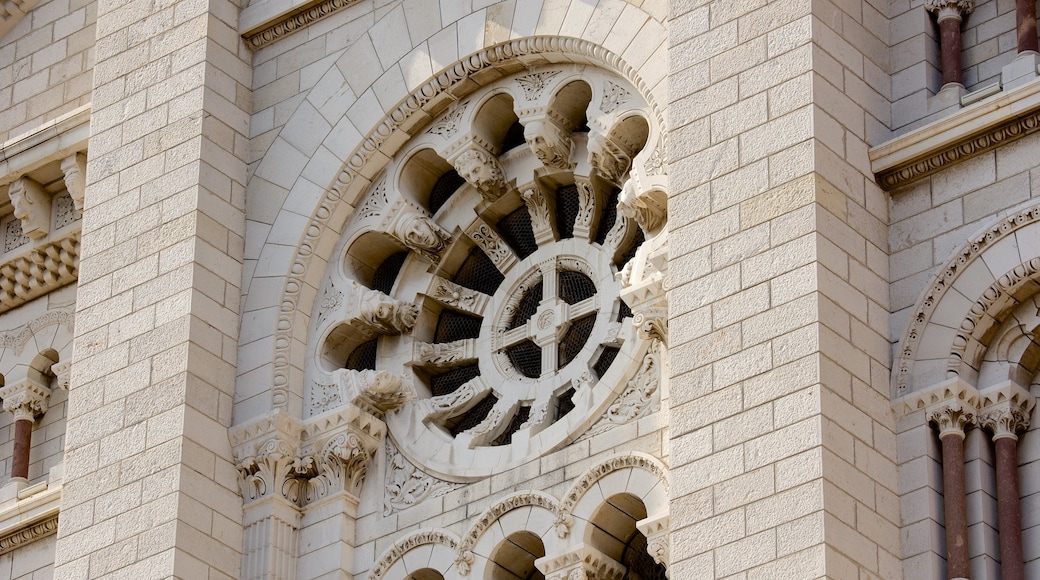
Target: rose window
[(484, 295)]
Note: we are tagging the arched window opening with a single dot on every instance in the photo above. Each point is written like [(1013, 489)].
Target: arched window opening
[(514, 558), (613, 531)]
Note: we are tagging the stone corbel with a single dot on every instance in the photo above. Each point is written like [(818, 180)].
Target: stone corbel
[(74, 168), (608, 157), (481, 169), (374, 392), (62, 374), (583, 563), (658, 539), (550, 139), (26, 399), (649, 208), (371, 312), (32, 206), (416, 231)]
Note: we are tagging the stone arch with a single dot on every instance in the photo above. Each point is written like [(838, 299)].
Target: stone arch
[(637, 474), (314, 211), (957, 317), (432, 549), (37, 346)]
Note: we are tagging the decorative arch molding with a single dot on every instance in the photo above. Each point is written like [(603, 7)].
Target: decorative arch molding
[(653, 491), (412, 115), (17, 338), (954, 319), (436, 537), (635, 462)]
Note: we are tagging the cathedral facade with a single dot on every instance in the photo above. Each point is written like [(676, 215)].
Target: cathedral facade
[(519, 289)]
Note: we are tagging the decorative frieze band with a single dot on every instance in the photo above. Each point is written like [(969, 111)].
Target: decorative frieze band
[(292, 21), (28, 534)]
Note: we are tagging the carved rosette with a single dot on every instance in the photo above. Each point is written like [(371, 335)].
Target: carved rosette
[(26, 400), (482, 170)]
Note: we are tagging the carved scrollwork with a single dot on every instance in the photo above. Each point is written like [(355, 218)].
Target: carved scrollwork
[(448, 125), (483, 171), (445, 353), (635, 402), (26, 400), (614, 95), (492, 245), (533, 84), (459, 399), (274, 469), (460, 297), (407, 485)]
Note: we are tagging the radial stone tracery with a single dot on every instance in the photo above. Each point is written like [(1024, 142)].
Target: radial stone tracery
[(495, 235)]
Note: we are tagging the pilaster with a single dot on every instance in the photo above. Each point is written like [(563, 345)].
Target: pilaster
[(147, 451)]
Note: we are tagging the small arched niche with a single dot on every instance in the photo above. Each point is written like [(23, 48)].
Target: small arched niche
[(513, 558), (429, 180), (497, 123), (613, 532), (631, 133), (370, 251), (571, 104)]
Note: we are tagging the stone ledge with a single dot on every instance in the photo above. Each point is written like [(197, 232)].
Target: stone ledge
[(972, 131), (54, 140), (30, 518), (265, 22)]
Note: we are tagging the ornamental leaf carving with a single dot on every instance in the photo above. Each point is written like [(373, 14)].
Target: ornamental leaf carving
[(533, 84), (406, 485)]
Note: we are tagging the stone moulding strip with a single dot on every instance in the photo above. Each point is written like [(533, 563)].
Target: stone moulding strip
[(29, 532), (971, 131), (294, 19), (51, 141), (39, 271), (382, 142)]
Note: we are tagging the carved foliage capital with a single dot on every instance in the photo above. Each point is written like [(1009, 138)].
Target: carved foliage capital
[(951, 417), (1005, 420), (339, 464), (26, 400), (950, 8)]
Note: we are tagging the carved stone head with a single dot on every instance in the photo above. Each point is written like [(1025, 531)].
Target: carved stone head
[(419, 232), (481, 170)]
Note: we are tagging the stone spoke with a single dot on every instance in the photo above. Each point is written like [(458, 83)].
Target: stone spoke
[(581, 309), (550, 285), (513, 336), (550, 356)]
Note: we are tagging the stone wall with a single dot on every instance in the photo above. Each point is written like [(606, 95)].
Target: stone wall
[(49, 55)]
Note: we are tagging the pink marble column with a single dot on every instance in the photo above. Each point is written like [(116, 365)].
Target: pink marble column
[(951, 420), (1006, 422), (1025, 25), (950, 14)]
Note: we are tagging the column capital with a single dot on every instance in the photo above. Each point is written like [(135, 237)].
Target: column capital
[(658, 538), (26, 399), (950, 8), (1004, 420), (951, 417), (582, 563)]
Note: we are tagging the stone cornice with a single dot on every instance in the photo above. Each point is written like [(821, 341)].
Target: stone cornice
[(52, 141), (43, 269), (30, 519), (967, 133), (263, 23)]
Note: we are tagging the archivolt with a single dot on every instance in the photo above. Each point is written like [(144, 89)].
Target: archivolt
[(382, 142), (998, 279)]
